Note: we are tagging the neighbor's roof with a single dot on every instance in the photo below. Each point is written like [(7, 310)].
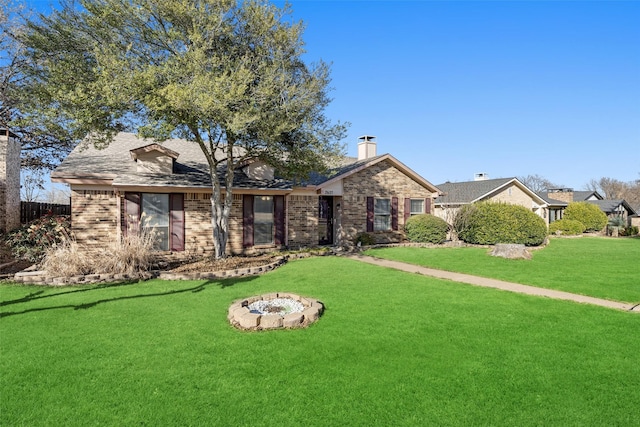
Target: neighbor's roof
[(611, 206), (544, 195), (470, 191)]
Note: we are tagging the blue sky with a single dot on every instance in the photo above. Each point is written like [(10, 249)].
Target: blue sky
[(508, 88)]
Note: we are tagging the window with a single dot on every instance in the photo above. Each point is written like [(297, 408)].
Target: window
[(162, 213), (155, 218), (263, 220), (417, 206), (382, 215)]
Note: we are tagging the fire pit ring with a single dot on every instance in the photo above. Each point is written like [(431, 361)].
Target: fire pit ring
[(281, 310)]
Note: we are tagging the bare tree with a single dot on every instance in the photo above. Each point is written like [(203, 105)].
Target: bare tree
[(614, 189), (32, 184), (537, 183)]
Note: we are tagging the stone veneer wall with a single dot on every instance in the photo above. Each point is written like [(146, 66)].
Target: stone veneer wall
[(382, 180), (9, 183), (94, 216), (302, 223)]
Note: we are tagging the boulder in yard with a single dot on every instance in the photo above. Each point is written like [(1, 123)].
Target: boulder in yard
[(511, 251)]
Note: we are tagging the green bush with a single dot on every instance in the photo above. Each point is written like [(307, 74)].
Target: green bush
[(566, 227), (588, 214), (488, 223), (629, 231), (426, 229), (32, 240)]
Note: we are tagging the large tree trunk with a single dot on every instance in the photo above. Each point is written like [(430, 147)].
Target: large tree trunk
[(221, 209)]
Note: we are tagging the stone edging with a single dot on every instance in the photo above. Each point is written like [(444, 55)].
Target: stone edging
[(41, 278), (240, 316)]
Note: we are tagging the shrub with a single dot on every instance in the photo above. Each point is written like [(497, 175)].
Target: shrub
[(66, 260), (364, 239), (588, 214), (33, 240), (426, 229), (566, 227), (629, 231), (132, 255), (488, 223)]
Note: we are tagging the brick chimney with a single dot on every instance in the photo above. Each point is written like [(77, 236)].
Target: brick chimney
[(367, 147), (9, 181), (562, 194)]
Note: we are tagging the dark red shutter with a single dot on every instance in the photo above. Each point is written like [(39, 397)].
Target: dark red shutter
[(369, 214), (407, 209), (131, 222), (279, 219), (176, 221), (427, 205), (394, 213), (247, 220)]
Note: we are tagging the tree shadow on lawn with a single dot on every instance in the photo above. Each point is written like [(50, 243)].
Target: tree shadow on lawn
[(38, 295)]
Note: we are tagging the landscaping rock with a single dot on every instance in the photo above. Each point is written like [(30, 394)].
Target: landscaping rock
[(510, 251)]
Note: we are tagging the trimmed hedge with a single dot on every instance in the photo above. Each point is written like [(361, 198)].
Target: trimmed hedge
[(566, 227), (488, 223), (426, 228), (588, 214)]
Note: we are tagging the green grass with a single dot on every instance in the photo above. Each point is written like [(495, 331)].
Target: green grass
[(598, 267), (392, 348)]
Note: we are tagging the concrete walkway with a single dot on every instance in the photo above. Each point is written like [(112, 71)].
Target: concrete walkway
[(493, 283)]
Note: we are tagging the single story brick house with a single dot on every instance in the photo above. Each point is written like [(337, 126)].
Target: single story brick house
[(504, 190), (167, 186)]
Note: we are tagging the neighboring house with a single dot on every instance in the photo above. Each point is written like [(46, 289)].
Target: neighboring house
[(9, 181), (505, 190), (559, 198), (167, 186)]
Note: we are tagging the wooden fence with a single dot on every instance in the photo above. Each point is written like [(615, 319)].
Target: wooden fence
[(34, 210)]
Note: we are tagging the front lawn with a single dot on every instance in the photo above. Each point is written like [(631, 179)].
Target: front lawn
[(599, 267), (392, 348)]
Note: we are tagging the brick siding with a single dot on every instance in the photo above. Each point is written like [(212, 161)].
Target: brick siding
[(94, 215), (302, 211), (382, 180)]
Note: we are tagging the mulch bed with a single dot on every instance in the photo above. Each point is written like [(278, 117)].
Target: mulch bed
[(229, 263)]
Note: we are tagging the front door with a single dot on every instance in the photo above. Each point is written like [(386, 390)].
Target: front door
[(325, 220)]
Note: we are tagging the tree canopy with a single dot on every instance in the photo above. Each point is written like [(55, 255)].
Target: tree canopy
[(226, 75)]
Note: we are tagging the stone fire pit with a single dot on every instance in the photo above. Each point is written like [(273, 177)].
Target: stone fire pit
[(274, 311)]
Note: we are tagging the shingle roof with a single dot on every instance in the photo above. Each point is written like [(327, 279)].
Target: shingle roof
[(115, 162), (544, 195), (469, 191), (610, 206), (350, 165), (579, 196), (190, 169)]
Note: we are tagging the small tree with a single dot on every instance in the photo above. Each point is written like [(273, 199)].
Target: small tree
[(588, 214), (228, 76)]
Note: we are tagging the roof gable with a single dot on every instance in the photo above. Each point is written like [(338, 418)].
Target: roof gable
[(474, 191), (340, 173)]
